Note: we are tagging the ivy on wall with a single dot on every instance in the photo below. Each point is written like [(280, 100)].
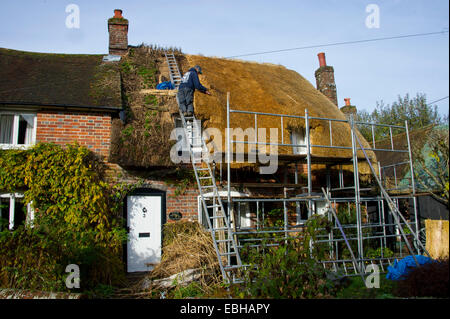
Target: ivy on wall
[(77, 218)]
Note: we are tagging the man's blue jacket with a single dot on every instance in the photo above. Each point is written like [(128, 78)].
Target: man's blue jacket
[(190, 80)]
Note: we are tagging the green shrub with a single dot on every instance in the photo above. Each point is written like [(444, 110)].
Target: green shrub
[(286, 272), (291, 269), (77, 219)]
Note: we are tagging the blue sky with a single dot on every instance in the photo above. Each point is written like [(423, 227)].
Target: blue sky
[(365, 72)]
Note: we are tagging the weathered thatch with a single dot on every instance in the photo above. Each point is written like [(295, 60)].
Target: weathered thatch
[(143, 139)]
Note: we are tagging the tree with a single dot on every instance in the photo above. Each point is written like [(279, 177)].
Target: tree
[(431, 158), (431, 164), (415, 111)]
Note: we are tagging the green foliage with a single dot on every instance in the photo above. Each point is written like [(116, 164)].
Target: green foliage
[(148, 76), (190, 291), (151, 100), (379, 252), (356, 289), (431, 165), (76, 221), (290, 270), (286, 271), (415, 111), (128, 131)]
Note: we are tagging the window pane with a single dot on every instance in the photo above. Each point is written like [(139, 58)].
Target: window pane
[(4, 213), (22, 131), (19, 213), (6, 128), (26, 124)]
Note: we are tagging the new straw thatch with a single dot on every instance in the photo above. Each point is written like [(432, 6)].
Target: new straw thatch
[(253, 86), (272, 89)]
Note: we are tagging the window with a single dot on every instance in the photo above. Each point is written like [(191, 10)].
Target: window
[(298, 138), (17, 130), (13, 211)]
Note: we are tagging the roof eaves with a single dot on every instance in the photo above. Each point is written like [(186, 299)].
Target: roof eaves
[(67, 107)]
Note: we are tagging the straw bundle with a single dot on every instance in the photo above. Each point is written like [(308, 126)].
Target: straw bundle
[(188, 246)]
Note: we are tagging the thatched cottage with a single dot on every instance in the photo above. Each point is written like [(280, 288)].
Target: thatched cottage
[(112, 108)]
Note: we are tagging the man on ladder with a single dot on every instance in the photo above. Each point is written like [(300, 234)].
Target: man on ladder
[(190, 83)]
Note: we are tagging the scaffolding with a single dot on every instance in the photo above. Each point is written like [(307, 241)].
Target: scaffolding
[(380, 232)]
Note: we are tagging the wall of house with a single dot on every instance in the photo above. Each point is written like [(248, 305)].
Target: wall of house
[(177, 199), (88, 129)]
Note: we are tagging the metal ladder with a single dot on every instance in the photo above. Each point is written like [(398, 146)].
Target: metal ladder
[(174, 72), (219, 225)]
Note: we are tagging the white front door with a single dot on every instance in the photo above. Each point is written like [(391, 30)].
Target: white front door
[(144, 237)]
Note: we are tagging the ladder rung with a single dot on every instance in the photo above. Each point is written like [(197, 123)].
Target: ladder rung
[(223, 240), (231, 267), (227, 254), (207, 177), (207, 186), (216, 217), (212, 206)]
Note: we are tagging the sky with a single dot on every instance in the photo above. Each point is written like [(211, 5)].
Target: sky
[(365, 72)]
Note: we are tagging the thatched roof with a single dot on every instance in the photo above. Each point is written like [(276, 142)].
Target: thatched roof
[(273, 89), (253, 86), (58, 80)]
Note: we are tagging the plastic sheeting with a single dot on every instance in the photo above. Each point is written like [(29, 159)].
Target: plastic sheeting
[(165, 86), (404, 266)]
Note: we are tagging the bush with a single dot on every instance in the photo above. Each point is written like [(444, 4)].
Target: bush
[(76, 220), (291, 269), (286, 271), (429, 280)]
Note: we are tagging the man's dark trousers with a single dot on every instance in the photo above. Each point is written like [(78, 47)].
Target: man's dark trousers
[(185, 99)]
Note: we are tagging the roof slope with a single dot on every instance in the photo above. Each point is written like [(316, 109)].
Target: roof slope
[(273, 89), (49, 79)]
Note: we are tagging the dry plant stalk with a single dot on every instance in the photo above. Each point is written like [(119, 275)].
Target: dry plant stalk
[(191, 248)]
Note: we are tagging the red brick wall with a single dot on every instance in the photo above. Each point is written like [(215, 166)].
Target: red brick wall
[(185, 203), (88, 129)]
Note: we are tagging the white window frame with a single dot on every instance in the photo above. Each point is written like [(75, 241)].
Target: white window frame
[(12, 204), (298, 138), (15, 138)]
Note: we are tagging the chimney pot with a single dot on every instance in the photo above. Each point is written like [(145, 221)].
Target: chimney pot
[(347, 101), (118, 14), (322, 61)]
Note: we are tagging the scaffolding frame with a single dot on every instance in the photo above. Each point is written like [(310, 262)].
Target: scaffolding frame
[(387, 227)]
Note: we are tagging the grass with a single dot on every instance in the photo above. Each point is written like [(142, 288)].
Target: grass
[(357, 289)]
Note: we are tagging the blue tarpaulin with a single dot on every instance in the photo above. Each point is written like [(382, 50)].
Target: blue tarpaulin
[(403, 267), (165, 86)]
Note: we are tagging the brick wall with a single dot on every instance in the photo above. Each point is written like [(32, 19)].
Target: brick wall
[(326, 84), (185, 203), (88, 129), (118, 39)]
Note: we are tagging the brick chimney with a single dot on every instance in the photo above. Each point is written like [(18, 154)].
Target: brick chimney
[(118, 34), (325, 79), (348, 109)]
